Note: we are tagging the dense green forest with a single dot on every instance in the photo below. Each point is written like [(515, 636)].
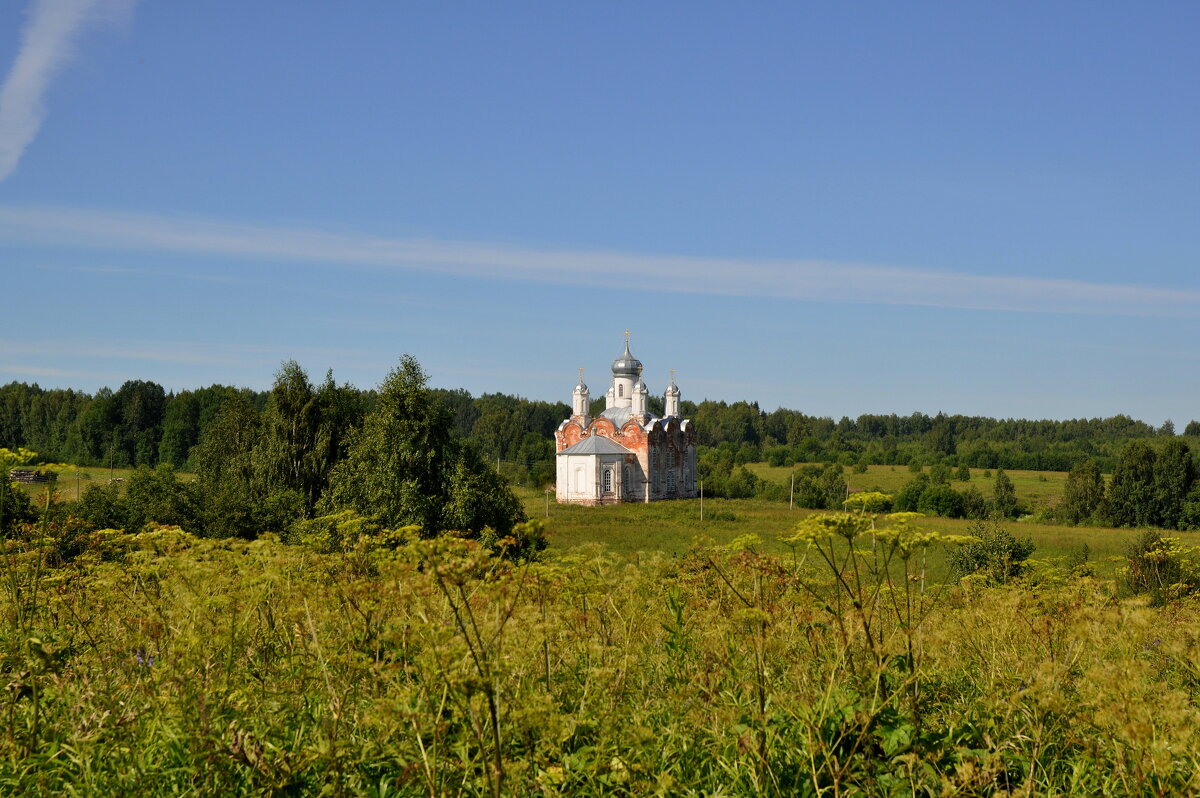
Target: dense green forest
[(142, 424), (266, 462), (224, 433)]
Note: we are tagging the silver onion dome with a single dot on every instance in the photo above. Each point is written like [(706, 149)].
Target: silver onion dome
[(627, 365)]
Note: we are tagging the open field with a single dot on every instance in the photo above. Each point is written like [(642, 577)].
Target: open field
[(72, 482), (671, 527), (1034, 488)]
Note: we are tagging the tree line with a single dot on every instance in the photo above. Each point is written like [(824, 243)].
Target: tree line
[(784, 437), (141, 424), (268, 462), (1152, 486)]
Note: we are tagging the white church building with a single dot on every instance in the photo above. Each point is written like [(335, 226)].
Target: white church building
[(625, 454)]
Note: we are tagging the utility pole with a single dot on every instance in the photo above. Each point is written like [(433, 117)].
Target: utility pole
[(792, 490)]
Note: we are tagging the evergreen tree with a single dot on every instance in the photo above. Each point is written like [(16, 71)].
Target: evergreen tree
[(140, 406), (1082, 494)]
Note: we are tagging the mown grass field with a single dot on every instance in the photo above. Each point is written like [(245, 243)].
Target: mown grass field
[(672, 527), (74, 480)]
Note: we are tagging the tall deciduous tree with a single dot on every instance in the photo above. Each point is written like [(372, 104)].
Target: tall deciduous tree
[(304, 433), (1174, 475), (405, 467), (141, 405), (1083, 493), (1132, 492), (232, 502), (1004, 496)]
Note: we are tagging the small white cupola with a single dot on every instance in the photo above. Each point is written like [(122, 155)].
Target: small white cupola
[(671, 403), (640, 396), (581, 401)]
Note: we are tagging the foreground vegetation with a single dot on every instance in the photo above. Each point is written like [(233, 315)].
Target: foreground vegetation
[(364, 610), (162, 663)]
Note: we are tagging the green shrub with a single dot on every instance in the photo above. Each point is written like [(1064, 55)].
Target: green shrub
[(941, 499), (996, 554), (909, 496), (1160, 567)]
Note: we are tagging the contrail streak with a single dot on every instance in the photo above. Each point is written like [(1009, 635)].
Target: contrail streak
[(47, 46)]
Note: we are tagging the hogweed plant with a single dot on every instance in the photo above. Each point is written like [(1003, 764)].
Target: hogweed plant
[(363, 661), (876, 598)]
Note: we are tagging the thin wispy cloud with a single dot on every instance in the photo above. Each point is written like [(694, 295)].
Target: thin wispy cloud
[(811, 280), (48, 43)]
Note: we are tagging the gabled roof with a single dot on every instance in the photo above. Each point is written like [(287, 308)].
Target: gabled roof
[(596, 444)]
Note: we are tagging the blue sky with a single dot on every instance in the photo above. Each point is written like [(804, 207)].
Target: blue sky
[(841, 208)]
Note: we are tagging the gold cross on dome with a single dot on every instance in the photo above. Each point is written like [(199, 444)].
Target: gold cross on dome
[(581, 375), (627, 339)]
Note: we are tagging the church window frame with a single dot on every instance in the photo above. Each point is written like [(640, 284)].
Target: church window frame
[(607, 481)]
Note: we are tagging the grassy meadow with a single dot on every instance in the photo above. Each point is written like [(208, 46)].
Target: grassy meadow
[(671, 527), (74, 480), (1035, 489)]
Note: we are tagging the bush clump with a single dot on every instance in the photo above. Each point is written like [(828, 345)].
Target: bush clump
[(1160, 567), (996, 554)]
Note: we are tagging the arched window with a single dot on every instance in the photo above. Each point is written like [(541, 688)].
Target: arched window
[(620, 390), (608, 475)]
